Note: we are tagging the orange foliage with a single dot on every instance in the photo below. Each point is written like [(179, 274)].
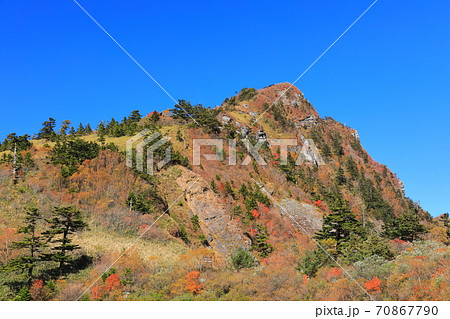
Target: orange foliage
[(373, 285), (96, 293), (193, 284), (334, 273), (7, 237), (112, 282)]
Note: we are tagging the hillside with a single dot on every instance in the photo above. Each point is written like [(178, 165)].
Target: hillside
[(217, 231)]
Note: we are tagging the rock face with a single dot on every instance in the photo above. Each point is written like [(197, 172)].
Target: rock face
[(309, 152), (214, 220), (304, 214), (308, 121)]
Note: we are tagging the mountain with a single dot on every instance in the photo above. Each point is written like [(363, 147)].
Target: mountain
[(230, 228)]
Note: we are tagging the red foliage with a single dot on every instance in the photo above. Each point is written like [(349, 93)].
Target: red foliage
[(255, 213), (264, 209), (334, 273), (399, 241), (112, 282), (37, 289), (193, 284), (151, 113), (96, 293), (373, 285)]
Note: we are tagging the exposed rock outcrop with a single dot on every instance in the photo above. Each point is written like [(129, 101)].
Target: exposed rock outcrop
[(306, 215), (222, 234)]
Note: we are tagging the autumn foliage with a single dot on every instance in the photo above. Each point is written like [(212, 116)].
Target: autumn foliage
[(193, 284), (373, 285)]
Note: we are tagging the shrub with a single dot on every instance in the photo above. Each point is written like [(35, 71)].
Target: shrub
[(242, 258), (247, 94)]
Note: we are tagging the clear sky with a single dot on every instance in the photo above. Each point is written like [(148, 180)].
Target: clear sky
[(388, 77)]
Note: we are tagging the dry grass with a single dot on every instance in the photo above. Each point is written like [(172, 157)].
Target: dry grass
[(97, 241)]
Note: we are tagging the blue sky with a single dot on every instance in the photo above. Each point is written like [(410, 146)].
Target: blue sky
[(388, 77)]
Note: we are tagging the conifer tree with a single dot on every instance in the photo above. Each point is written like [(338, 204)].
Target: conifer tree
[(339, 226), (33, 242), (406, 227), (65, 125), (65, 222), (446, 223), (47, 131), (135, 116), (88, 129)]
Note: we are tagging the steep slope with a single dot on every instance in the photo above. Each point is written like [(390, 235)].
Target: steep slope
[(266, 211)]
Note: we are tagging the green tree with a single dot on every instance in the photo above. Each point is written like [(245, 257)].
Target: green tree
[(339, 226), (101, 131), (22, 143), (340, 178), (155, 118), (358, 248), (247, 94), (80, 130), (135, 116), (70, 153), (312, 262), (28, 161), (64, 223), (446, 223), (23, 294), (242, 258), (229, 190), (261, 241), (47, 131), (406, 227), (65, 125), (199, 115), (32, 242), (374, 201), (213, 186)]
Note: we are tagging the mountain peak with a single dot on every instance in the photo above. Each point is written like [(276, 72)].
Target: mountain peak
[(282, 97)]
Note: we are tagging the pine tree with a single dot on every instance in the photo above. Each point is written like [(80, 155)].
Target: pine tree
[(340, 178), (261, 241), (80, 130), (47, 131), (72, 131), (101, 132), (88, 129), (406, 227), (65, 125), (12, 140), (65, 222), (339, 226), (33, 242), (135, 116), (28, 161), (155, 117), (446, 223)]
